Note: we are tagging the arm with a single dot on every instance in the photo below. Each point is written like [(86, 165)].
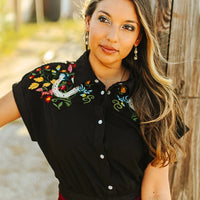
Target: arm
[(8, 109), (155, 184)]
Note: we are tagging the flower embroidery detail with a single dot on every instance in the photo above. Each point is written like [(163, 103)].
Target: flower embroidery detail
[(39, 79), (59, 79), (85, 93), (44, 77), (46, 84), (48, 99), (33, 86), (123, 89), (31, 77), (38, 69), (53, 81), (47, 67), (58, 67), (120, 102)]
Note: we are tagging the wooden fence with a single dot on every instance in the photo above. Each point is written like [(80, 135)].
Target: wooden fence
[(178, 26)]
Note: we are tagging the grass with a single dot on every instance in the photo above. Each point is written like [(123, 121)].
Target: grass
[(62, 31)]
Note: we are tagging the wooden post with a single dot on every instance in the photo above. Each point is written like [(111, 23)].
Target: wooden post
[(178, 26), (163, 26), (39, 11), (184, 49), (17, 14)]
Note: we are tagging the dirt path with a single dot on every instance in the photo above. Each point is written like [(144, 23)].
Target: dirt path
[(24, 172)]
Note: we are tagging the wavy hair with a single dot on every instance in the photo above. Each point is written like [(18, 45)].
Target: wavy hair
[(154, 99)]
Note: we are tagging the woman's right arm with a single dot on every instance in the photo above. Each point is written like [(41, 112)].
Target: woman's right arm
[(8, 109)]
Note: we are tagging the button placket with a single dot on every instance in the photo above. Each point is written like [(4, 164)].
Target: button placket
[(110, 187), (102, 92), (100, 122), (102, 156)]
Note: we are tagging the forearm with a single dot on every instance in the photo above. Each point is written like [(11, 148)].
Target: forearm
[(157, 196)]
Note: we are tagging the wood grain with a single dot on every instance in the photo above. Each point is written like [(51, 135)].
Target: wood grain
[(162, 13), (178, 29), (185, 52)]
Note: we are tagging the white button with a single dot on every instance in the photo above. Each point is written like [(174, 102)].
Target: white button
[(120, 83), (102, 92), (100, 122), (110, 187), (96, 80), (102, 156), (108, 92)]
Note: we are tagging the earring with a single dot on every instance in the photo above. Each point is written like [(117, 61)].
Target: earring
[(86, 40), (136, 53)]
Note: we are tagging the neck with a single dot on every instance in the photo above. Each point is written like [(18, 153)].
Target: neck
[(109, 74)]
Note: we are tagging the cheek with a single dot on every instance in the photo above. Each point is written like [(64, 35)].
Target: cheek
[(127, 45), (95, 34)]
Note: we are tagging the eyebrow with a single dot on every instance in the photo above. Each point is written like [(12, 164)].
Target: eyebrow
[(129, 21)]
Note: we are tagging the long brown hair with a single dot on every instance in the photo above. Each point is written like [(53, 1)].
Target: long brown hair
[(154, 100)]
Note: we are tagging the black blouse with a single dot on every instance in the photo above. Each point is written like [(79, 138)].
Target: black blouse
[(90, 137)]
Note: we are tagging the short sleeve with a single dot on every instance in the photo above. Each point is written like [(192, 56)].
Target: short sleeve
[(29, 105), (34, 92)]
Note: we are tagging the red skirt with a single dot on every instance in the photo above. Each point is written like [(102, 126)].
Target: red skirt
[(62, 198)]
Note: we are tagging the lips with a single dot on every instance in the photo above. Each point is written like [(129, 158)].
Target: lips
[(108, 49)]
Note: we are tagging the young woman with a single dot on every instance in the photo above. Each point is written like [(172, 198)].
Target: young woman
[(108, 123)]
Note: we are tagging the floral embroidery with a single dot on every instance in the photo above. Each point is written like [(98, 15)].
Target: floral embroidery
[(33, 86), (123, 89), (120, 102), (86, 93), (123, 101), (39, 79), (134, 116), (45, 77), (48, 99)]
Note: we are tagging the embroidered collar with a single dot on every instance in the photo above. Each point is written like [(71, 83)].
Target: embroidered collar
[(84, 73)]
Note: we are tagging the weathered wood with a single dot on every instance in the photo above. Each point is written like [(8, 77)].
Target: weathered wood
[(184, 50), (162, 13), (178, 26)]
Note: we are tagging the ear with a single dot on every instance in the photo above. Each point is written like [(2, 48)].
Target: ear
[(87, 23), (137, 42)]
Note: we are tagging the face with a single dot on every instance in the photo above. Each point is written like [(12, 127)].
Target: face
[(113, 29)]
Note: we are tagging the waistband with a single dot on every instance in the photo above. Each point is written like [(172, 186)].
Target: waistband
[(60, 197)]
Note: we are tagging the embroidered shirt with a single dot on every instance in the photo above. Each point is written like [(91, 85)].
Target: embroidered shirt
[(90, 137)]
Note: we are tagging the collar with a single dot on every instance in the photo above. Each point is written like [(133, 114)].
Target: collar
[(83, 70), (84, 73)]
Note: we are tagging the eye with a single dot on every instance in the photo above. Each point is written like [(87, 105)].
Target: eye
[(128, 27), (104, 19)]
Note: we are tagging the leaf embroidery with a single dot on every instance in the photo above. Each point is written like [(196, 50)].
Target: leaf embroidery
[(44, 78)]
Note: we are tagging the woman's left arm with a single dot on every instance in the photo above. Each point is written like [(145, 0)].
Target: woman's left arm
[(155, 184)]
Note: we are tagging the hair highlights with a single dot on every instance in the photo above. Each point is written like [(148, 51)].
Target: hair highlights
[(154, 99)]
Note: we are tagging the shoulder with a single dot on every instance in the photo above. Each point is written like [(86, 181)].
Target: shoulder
[(46, 75)]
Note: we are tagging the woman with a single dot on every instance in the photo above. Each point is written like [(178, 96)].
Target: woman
[(108, 123)]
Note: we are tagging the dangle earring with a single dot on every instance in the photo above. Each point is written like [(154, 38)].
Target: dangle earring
[(136, 53), (86, 40)]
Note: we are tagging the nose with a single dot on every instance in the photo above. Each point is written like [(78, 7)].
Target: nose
[(113, 34)]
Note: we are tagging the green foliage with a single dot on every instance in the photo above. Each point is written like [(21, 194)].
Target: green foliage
[(62, 31)]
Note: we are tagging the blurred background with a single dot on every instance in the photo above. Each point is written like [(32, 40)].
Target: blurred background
[(32, 32)]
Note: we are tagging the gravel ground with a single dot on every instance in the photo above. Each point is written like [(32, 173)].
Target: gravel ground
[(24, 171)]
